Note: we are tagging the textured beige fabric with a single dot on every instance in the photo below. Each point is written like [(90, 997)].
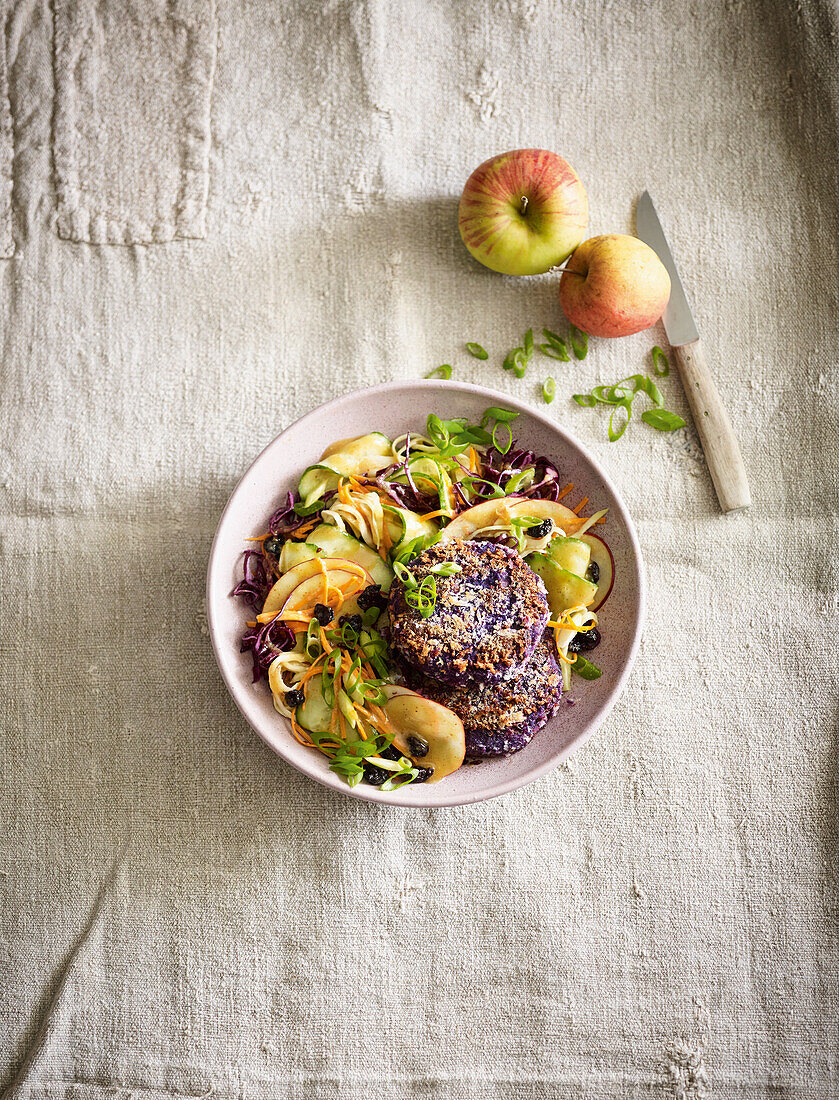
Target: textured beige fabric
[(131, 127), (184, 916)]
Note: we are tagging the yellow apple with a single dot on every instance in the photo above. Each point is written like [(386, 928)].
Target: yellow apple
[(614, 285)]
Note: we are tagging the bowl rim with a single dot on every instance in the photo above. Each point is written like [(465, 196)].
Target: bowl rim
[(402, 798)]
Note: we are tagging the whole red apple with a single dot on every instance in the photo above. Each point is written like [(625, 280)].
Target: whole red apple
[(523, 212), (614, 285)]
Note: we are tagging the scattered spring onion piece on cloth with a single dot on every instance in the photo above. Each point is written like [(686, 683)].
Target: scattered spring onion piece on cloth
[(619, 426), (443, 371), (661, 364), (620, 396), (662, 420), (549, 389), (554, 347), (579, 342), (518, 359), (476, 350)]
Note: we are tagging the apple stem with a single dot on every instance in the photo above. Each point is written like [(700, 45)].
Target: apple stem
[(524, 204)]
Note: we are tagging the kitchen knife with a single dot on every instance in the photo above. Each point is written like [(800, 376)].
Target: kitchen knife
[(719, 442)]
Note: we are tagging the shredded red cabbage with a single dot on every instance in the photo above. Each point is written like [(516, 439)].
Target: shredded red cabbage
[(265, 642), (285, 520), (499, 468), (255, 583)]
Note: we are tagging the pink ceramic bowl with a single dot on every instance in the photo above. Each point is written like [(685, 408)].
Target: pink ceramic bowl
[(393, 408)]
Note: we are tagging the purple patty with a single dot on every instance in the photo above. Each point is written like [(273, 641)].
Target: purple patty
[(502, 718), (487, 619)]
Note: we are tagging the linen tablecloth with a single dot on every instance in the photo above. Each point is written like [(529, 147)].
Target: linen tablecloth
[(213, 219)]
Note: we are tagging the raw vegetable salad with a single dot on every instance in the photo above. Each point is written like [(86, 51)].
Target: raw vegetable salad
[(318, 583)]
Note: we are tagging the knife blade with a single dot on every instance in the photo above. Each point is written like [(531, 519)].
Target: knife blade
[(678, 319), (722, 451)]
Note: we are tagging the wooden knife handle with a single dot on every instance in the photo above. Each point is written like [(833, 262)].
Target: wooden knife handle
[(719, 442)]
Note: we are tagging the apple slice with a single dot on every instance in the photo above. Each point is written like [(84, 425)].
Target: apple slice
[(497, 512), (310, 591), (287, 583), (427, 733), (601, 555)]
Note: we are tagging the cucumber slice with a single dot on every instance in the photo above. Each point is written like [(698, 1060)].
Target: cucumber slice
[(337, 544), (323, 476), (314, 714), (404, 526), (316, 481), (571, 554), (565, 589), (294, 552)]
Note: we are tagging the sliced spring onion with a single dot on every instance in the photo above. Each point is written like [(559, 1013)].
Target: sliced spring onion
[(476, 350), (505, 447), (401, 779), (662, 420), (312, 645), (518, 480), (424, 597), (554, 353), (583, 667), (579, 342), (549, 389), (494, 412), (443, 371), (661, 364), (404, 574), (619, 426), (445, 569), (554, 346)]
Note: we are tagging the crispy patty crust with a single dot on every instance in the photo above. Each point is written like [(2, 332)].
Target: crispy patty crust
[(501, 718), (487, 619)]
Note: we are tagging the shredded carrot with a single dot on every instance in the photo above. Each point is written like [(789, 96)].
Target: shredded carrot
[(434, 515), (582, 504), (311, 671), (308, 526), (299, 733), (565, 490), (259, 538), (250, 625), (327, 648)]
